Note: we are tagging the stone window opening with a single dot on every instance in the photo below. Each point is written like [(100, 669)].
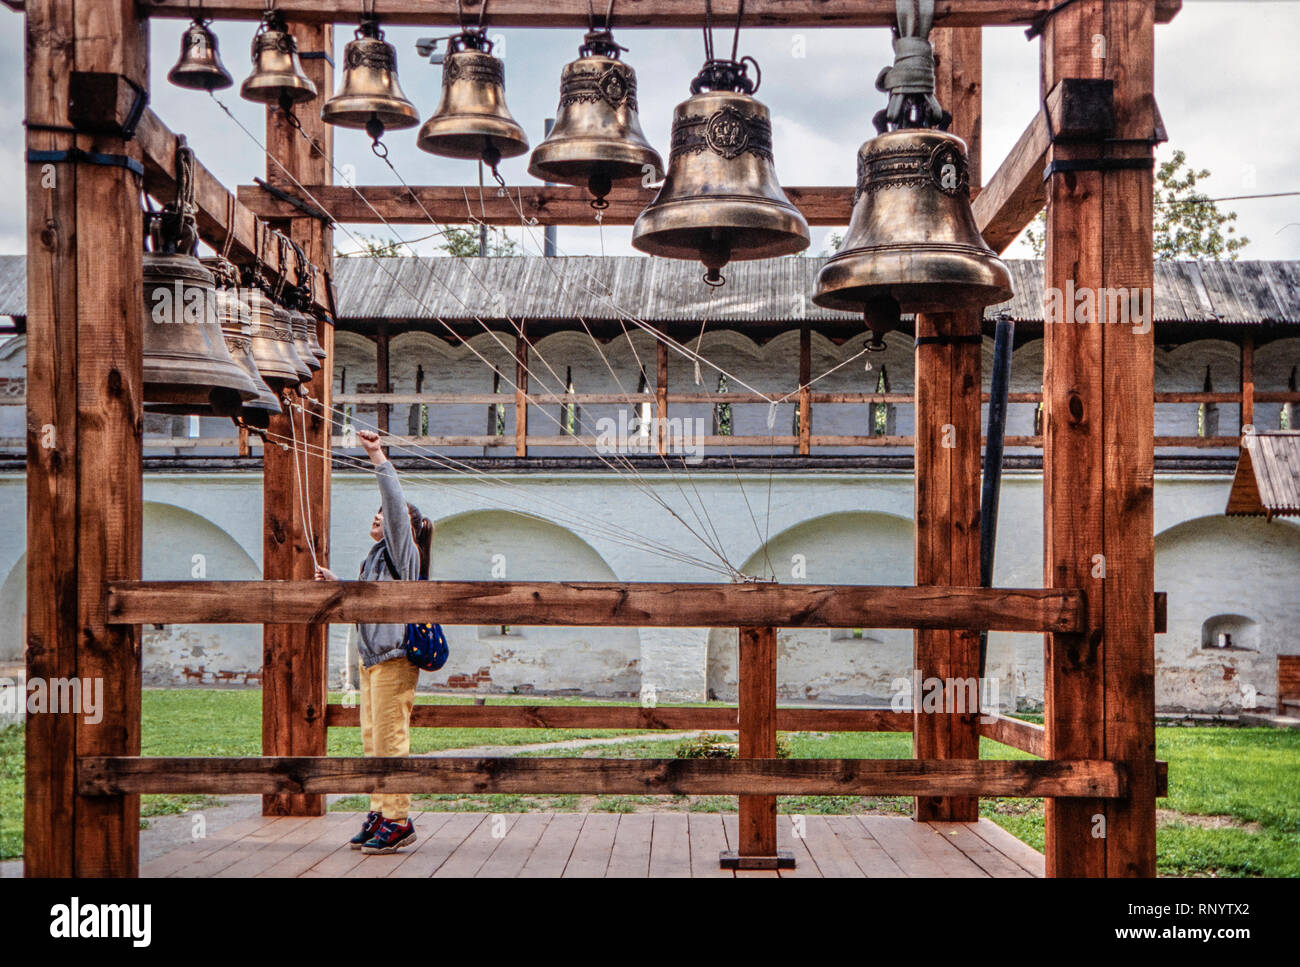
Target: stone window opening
[(644, 410), (418, 420), (1230, 632), (722, 411), (1207, 414), (496, 411), (1286, 419), (569, 418), (499, 631), (882, 414)]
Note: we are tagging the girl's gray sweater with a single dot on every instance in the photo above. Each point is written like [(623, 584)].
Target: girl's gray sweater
[(380, 643)]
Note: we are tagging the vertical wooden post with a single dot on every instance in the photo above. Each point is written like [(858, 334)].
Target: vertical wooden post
[(84, 419), (947, 462), (295, 657), (661, 394), (1247, 381), (757, 710), (805, 391), (382, 382), (521, 392), (1097, 449)]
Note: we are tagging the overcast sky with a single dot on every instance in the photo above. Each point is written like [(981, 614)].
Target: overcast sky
[(1226, 79)]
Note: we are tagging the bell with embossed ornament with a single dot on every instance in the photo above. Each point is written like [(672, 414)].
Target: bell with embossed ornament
[(370, 97), (720, 200), (472, 120), (912, 243), (597, 140), (277, 76)]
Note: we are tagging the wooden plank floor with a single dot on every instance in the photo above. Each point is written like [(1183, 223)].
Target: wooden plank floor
[(601, 845)]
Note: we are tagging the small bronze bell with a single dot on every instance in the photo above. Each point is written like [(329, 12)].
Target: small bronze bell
[(272, 343), (283, 323), (235, 328), (370, 97), (303, 324), (277, 76), (721, 199), (187, 367), (912, 243), (597, 139), (200, 67), (472, 120)]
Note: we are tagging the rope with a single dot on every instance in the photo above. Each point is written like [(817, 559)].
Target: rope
[(910, 82)]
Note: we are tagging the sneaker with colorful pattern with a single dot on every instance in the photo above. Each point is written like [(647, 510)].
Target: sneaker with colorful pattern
[(368, 829), (390, 837)]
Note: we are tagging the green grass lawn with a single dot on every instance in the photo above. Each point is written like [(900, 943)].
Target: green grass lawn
[(1233, 807)]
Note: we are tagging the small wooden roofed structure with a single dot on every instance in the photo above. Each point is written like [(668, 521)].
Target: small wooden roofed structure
[(1267, 481)]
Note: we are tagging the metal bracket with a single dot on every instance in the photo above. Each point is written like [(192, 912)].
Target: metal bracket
[(295, 201), (316, 55), (1098, 164), (78, 156)]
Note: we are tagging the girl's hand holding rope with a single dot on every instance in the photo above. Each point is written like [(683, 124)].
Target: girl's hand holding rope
[(325, 574), (370, 442)]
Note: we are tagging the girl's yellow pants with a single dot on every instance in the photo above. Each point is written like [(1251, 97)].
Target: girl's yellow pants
[(387, 694)]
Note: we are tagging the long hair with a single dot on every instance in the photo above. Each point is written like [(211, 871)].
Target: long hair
[(422, 531)]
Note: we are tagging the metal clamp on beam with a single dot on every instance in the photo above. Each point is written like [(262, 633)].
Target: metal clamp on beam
[(78, 156), (1098, 164), (295, 201)]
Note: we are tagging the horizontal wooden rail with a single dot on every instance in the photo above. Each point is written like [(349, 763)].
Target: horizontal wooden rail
[(633, 13), (1017, 733), (596, 604), (679, 717), (1022, 778)]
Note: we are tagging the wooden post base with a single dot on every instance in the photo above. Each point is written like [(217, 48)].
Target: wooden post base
[(730, 859)]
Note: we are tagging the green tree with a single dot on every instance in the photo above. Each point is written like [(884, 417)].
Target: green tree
[(459, 241), (1188, 225)]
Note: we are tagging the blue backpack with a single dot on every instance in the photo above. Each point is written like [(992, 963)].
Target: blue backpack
[(425, 644)]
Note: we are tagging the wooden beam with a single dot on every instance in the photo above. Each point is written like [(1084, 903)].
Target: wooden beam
[(947, 480), (1247, 382), (549, 204), (295, 656), (645, 13), (1020, 778), (714, 717), (594, 604), (1097, 456), (1017, 733), (1076, 108), (756, 694), (805, 390), (85, 393)]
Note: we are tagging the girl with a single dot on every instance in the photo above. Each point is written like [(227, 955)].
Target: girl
[(402, 538)]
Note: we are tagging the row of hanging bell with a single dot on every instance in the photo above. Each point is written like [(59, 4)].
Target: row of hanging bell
[(720, 200), (236, 327)]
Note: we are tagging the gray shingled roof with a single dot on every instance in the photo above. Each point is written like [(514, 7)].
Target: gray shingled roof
[(664, 290)]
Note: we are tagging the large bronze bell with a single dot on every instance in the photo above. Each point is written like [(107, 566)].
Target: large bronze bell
[(270, 338), (200, 67), (912, 243), (236, 329), (597, 139), (277, 76), (472, 120), (370, 97), (721, 200), (187, 367)]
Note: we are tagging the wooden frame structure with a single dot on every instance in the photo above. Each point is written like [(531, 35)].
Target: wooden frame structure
[(1096, 609)]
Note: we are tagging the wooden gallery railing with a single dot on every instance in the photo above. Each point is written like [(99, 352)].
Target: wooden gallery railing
[(757, 777)]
